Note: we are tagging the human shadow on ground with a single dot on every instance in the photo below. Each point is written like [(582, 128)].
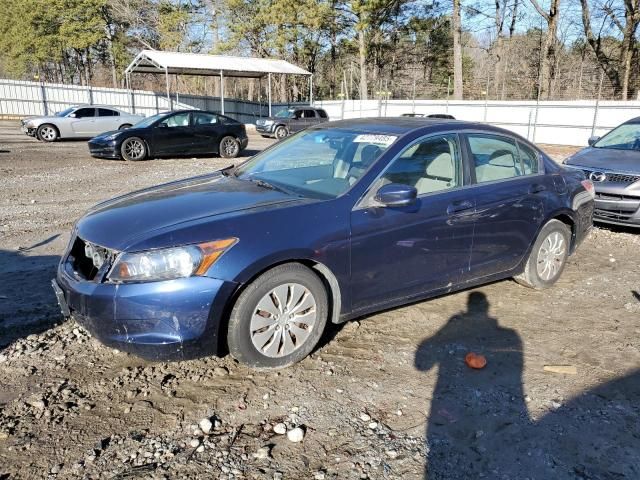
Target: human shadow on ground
[(479, 425), (27, 302)]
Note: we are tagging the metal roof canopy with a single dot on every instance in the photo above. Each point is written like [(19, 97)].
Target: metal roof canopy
[(157, 61)]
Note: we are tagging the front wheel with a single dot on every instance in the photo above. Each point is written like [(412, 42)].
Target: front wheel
[(548, 256), (124, 126), (279, 318), (229, 147), (47, 133), (133, 149), (281, 132)]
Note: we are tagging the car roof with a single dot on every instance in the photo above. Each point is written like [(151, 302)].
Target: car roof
[(633, 120), (396, 125)]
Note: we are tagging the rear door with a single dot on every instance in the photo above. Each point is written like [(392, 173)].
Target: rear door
[(207, 132), (298, 122), (107, 119), (509, 196), (400, 252), (83, 122), (174, 135)]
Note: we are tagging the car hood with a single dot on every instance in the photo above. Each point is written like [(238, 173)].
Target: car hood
[(104, 135), (607, 159), (40, 119), (125, 221)]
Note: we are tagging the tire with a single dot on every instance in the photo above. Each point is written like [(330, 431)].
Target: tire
[(47, 133), (261, 339), (124, 126), (133, 149), (548, 256), (229, 147), (281, 132)]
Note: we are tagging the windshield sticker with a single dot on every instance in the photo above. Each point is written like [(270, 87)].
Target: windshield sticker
[(385, 140)]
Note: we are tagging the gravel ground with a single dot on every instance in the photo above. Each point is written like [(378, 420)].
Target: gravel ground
[(387, 396)]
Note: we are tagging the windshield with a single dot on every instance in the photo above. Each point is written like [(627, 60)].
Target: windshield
[(624, 137), (322, 163), (285, 114), (146, 122), (65, 112)]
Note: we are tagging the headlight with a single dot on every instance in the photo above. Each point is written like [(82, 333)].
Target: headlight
[(168, 263), (268, 123)]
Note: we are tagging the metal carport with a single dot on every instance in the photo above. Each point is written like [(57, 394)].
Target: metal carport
[(157, 61)]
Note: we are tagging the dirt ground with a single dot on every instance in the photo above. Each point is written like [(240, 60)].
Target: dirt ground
[(387, 396)]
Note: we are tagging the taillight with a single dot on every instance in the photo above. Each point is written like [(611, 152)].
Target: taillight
[(588, 186)]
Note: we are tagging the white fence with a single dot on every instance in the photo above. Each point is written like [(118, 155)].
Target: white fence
[(554, 122), (21, 99)]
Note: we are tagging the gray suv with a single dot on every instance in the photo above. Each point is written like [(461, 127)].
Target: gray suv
[(612, 163), (290, 121)]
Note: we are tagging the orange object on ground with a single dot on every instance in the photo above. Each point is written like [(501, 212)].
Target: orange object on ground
[(475, 361)]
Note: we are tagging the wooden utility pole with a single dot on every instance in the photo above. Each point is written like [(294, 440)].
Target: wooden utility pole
[(456, 25)]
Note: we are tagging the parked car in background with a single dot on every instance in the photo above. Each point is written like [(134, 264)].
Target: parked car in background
[(430, 115), (335, 222), (613, 164), (289, 121), (81, 121), (181, 132)]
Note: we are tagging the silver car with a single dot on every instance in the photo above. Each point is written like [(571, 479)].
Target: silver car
[(81, 121), (612, 163)]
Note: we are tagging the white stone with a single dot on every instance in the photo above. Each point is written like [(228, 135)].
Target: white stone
[(194, 443), (373, 425), (205, 425), (365, 417), (280, 428), (295, 435)]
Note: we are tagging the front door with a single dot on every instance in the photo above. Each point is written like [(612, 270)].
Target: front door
[(83, 121), (400, 252), (173, 135), (509, 198)]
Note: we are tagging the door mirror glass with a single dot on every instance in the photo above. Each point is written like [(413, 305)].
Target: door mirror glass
[(593, 140), (396, 195), (72, 115)]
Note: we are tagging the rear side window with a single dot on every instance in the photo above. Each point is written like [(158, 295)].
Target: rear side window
[(530, 159), (85, 112), (106, 112), (494, 157), (205, 119), (322, 114), (309, 114)]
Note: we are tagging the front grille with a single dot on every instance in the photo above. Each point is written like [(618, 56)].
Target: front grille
[(87, 267), (612, 214), (616, 177)]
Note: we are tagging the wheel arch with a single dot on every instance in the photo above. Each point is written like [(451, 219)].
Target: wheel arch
[(567, 218)]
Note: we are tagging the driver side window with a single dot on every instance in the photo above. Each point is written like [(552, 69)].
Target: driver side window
[(430, 165), (177, 120)]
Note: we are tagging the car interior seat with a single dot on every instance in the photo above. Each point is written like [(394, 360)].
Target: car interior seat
[(501, 164)]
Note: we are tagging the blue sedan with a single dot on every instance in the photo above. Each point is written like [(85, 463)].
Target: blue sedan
[(335, 222)]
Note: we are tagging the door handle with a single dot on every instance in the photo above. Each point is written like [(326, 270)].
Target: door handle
[(537, 188), (457, 207)]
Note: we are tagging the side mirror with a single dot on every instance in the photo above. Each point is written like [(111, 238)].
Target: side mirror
[(162, 125), (396, 195), (72, 115), (593, 140)]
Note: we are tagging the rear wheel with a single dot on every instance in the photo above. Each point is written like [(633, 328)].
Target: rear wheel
[(281, 132), (133, 149), (548, 256), (229, 147), (47, 133), (279, 318)]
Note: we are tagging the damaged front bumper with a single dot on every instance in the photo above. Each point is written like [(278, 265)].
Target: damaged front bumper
[(165, 320)]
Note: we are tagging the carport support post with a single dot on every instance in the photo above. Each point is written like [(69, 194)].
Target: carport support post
[(311, 90), (221, 93), (166, 74), (269, 82)]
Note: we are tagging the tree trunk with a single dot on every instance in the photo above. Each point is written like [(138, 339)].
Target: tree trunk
[(362, 54), (548, 46), (456, 26)]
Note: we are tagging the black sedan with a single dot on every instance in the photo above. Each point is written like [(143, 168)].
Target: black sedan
[(183, 132)]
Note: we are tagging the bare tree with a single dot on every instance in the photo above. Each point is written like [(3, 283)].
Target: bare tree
[(456, 26), (549, 44)]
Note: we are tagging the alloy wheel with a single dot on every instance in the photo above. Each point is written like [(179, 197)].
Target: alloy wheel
[(283, 320), (134, 149), (48, 133), (230, 147), (551, 256)]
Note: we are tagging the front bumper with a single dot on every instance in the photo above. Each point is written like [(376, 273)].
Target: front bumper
[(28, 131), (166, 320), (265, 129), (104, 150), (617, 209)]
